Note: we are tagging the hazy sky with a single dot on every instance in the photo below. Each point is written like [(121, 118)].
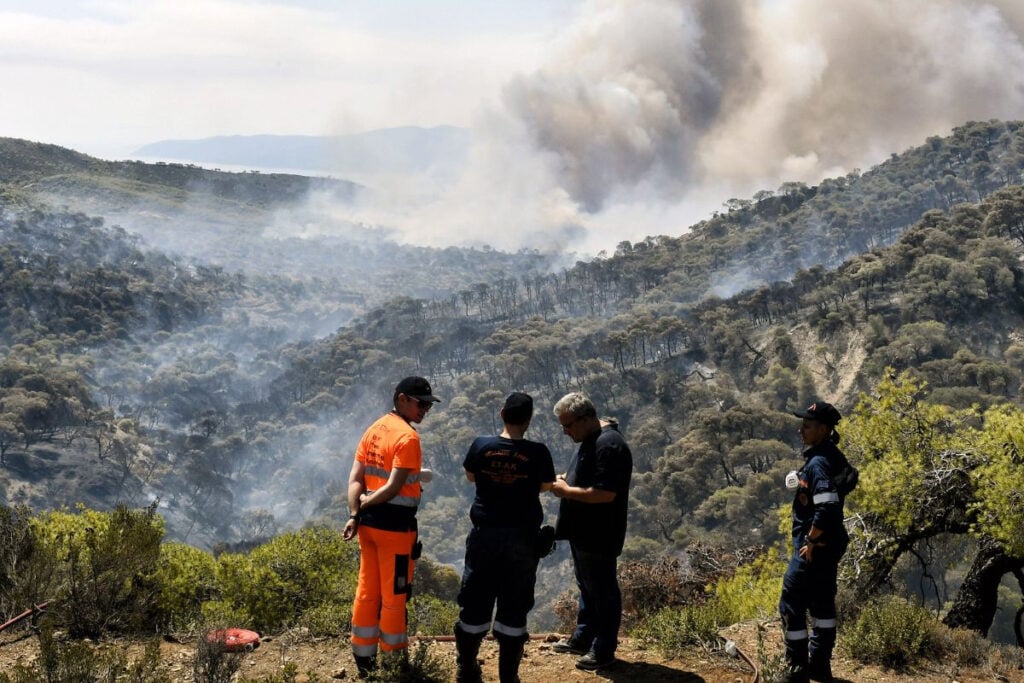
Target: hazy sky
[(596, 121), (106, 76)]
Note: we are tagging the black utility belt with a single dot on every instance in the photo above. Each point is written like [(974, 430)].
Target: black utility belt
[(388, 522)]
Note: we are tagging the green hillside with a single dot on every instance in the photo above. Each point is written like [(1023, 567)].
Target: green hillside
[(131, 374), (253, 223), (34, 164)]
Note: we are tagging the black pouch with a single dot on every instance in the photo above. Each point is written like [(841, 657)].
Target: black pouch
[(402, 584), (545, 543), (417, 550), (846, 479)]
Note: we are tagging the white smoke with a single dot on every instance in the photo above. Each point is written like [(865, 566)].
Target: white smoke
[(651, 113)]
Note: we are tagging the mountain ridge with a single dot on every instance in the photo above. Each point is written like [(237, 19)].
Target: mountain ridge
[(405, 149)]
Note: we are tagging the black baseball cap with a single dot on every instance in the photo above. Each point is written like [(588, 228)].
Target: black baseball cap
[(822, 412), (418, 388)]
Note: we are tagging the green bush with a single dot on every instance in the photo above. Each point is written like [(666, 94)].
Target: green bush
[(223, 612), (146, 669), (28, 570), (328, 619), (185, 578), (213, 663), (753, 589), (105, 564), (891, 632), (963, 646), (439, 580), (430, 616), (275, 584), (673, 630), (419, 664)]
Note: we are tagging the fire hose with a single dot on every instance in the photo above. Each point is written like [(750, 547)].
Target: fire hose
[(29, 612)]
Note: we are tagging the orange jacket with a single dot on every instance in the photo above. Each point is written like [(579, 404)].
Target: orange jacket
[(388, 443)]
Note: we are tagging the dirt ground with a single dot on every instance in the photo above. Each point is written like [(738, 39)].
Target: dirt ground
[(327, 660)]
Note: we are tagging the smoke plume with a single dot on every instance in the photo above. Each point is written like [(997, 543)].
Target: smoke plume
[(651, 113)]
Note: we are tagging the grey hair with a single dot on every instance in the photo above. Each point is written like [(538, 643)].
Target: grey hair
[(575, 404)]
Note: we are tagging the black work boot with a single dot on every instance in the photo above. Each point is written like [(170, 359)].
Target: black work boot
[(510, 654), (467, 646), (820, 670), (365, 666), (796, 662), (796, 673)]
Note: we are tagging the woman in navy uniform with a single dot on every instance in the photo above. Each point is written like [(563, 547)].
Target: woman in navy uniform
[(819, 541)]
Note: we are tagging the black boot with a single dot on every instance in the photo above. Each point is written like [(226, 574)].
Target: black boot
[(365, 666), (796, 662), (468, 646), (795, 673), (510, 654), (819, 669)]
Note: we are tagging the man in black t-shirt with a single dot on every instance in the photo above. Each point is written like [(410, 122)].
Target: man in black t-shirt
[(501, 560), (594, 499)]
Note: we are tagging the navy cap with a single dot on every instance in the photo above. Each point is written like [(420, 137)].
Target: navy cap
[(822, 412)]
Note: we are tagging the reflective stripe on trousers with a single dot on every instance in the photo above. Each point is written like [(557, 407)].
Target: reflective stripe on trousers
[(385, 580)]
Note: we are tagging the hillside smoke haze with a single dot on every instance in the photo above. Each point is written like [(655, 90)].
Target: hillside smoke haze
[(651, 113)]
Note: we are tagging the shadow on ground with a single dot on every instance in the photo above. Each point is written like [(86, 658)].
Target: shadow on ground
[(630, 672)]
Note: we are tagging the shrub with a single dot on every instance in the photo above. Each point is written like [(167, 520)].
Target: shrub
[(753, 589), (278, 581), (673, 630), (145, 670), (770, 661), (21, 673), (963, 646), (430, 616), (223, 612), (329, 619), (565, 608), (213, 663), (439, 580), (650, 586), (185, 578), (891, 632), (28, 570), (289, 674), (419, 664), (105, 563)]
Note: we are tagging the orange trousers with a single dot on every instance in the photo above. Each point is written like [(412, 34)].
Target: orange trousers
[(385, 582)]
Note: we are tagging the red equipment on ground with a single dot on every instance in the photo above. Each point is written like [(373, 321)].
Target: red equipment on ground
[(234, 639)]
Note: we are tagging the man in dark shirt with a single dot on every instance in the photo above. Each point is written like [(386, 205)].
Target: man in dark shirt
[(594, 496), (501, 559)]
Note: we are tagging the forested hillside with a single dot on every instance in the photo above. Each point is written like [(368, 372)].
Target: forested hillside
[(259, 224), (130, 374)]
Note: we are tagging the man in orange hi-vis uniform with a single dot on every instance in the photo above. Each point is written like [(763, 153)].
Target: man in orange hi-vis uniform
[(383, 495)]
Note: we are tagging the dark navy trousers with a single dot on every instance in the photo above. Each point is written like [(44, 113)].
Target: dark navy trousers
[(810, 587), (501, 569)]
